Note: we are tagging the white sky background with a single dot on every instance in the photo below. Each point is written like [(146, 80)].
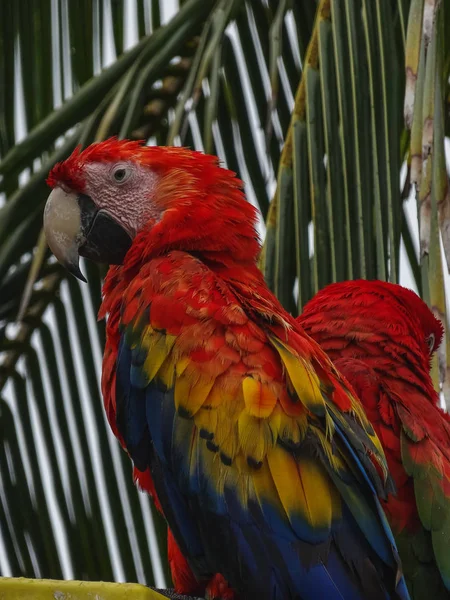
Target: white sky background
[(61, 92)]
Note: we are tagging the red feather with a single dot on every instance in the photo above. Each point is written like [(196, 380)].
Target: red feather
[(193, 269), (377, 334)]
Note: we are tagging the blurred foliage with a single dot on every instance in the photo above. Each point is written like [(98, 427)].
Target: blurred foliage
[(310, 99)]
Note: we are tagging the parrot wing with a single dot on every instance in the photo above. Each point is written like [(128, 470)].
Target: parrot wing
[(416, 438), (265, 465), (425, 451)]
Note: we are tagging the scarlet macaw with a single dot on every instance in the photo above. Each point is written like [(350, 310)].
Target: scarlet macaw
[(262, 460), (381, 337)]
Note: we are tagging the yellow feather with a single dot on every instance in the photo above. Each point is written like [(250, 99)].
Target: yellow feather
[(158, 346), (191, 391), (292, 429), (196, 446), (358, 410), (181, 365), (255, 436), (147, 335), (206, 419), (166, 373), (285, 476), (217, 396), (303, 378), (231, 403), (320, 503), (304, 488), (185, 437), (334, 458), (275, 420), (259, 398), (265, 489), (213, 468), (238, 478), (226, 435)]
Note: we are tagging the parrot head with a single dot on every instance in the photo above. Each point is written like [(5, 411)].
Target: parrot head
[(372, 317), (108, 194)]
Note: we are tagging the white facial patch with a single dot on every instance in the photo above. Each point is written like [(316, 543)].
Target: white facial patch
[(130, 201)]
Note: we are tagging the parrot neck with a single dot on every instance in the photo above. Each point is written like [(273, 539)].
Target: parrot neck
[(232, 260), (230, 239)]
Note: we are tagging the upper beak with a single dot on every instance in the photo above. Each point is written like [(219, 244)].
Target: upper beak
[(74, 226)]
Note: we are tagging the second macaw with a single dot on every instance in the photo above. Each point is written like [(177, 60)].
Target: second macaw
[(381, 336), (262, 459)]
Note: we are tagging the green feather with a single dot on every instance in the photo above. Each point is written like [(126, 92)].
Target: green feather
[(441, 547), (421, 573), (433, 507)]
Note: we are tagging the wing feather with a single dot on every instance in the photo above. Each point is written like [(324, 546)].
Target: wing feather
[(429, 466), (249, 451), (416, 435)]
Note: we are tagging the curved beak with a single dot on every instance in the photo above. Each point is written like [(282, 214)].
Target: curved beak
[(74, 226)]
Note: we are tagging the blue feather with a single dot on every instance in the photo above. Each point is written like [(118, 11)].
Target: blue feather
[(129, 402), (154, 414), (251, 544), (383, 545)]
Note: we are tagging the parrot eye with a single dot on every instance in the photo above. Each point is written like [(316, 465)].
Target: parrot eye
[(121, 173), (430, 342)]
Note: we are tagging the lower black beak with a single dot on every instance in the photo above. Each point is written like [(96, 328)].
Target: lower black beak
[(106, 241)]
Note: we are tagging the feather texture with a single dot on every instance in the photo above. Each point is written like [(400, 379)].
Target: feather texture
[(251, 442), (377, 334), (242, 443)]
